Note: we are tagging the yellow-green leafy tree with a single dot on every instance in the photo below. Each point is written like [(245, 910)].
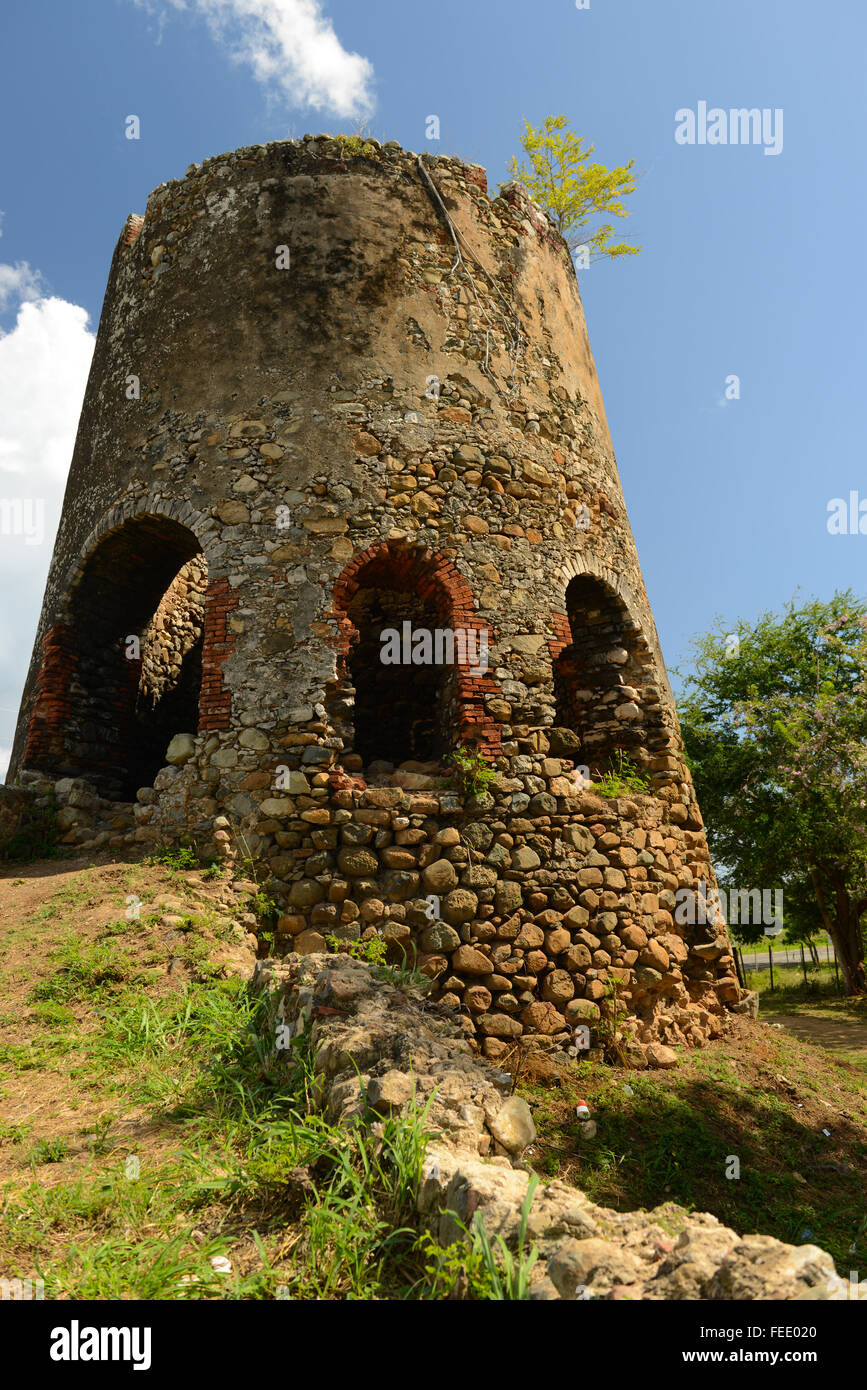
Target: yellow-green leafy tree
[(573, 189)]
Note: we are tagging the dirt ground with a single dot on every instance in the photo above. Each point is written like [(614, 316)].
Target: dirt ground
[(838, 1035), (46, 904)]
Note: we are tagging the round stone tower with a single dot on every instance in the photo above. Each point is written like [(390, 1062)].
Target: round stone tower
[(343, 501)]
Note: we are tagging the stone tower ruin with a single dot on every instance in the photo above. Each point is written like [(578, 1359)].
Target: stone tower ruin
[(343, 499)]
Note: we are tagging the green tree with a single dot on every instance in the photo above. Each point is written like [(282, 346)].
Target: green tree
[(562, 179), (774, 719)]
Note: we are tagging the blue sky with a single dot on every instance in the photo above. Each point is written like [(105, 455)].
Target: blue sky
[(750, 263)]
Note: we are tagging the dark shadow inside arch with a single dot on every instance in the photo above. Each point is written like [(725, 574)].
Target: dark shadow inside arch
[(134, 635), (398, 707), (404, 710), (603, 680)]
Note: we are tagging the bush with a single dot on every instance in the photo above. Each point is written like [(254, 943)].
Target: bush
[(471, 769), (35, 838)]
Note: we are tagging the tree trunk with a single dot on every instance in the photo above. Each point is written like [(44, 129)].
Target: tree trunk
[(844, 928), (851, 952)]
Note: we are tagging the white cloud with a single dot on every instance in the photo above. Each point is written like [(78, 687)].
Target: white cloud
[(5, 755), (19, 282), (292, 49), (44, 361)]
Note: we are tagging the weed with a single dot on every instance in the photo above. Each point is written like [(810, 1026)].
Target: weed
[(42, 914), (455, 1271), (11, 1133), (351, 146), (373, 951), (263, 906), (614, 1039), (510, 1273), (625, 777), (99, 1144), (120, 927), (480, 1269), (51, 1012), (180, 858), (471, 770), (84, 972), (404, 976), (47, 1151)]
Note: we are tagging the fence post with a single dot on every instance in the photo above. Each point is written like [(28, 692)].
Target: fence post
[(771, 963)]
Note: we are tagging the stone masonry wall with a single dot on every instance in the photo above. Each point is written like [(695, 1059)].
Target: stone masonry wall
[(176, 629)]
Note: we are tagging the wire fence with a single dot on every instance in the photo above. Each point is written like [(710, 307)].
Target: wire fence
[(811, 966)]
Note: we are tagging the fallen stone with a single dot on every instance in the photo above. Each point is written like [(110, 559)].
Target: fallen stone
[(513, 1126)]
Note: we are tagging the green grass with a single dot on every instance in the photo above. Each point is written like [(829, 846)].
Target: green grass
[(671, 1139), (820, 981), (248, 1161), (820, 994), (123, 926), (11, 1133), (53, 1013), (84, 972), (40, 1053), (180, 858), (234, 1160), (48, 1151)]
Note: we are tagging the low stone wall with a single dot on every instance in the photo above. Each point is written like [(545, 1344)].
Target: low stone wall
[(376, 1048), (84, 820)]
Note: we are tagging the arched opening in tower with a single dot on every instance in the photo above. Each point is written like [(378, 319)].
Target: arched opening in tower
[(603, 680), (128, 659), (399, 705), (395, 696)]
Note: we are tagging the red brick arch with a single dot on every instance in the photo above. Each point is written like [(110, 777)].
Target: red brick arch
[(83, 721), (436, 580)]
